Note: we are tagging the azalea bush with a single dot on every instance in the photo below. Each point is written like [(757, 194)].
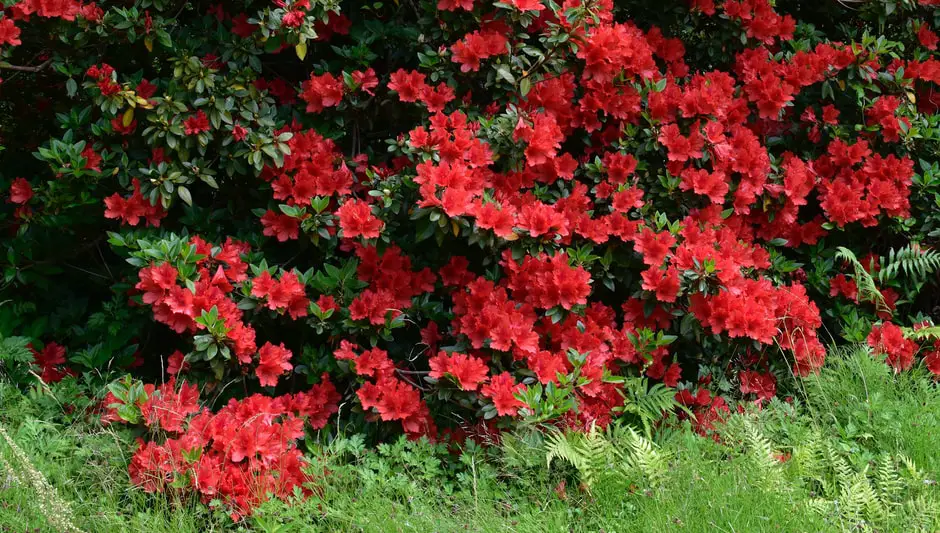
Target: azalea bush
[(444, 218)]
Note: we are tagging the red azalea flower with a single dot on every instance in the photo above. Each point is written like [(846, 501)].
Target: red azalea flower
[(239, 132), (502, 389), (20, 191), (468, 370), (196, 124), (272, 362), (763, 385), (887, 339), (281, 226), (9, 33), (356, 220), (321, 92), (927, 38)]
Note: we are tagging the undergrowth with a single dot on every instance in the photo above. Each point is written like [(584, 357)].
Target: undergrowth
[(853, 452)]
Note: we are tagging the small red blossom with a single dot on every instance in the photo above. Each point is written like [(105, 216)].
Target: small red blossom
[(527, 5), (133, 209), (321, 92), (468, 370), (272, 362), (239, 132), (9, 33), (280, 225), (887, 339), (926, 37), (196, 124), (502, 389), (356, 220), (763, 385), (50, 361), (409, 85), (365, 80), (20, 191)]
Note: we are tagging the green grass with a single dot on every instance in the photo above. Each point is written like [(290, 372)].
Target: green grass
[(849, 435)]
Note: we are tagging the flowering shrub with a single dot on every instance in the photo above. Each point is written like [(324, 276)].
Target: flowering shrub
[(241, 454), (457, 210)]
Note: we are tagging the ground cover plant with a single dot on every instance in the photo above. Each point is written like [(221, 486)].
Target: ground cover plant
[(852, 452), (236, 229)]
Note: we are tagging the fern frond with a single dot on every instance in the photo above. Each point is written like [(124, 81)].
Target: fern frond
[(915, 261), (888, 481), (595, 454), (923, 513), (645, 458), (761, 452), (867, 289), (821, 506), (648, 403), (559, 446), (809, 457), (859, 501)]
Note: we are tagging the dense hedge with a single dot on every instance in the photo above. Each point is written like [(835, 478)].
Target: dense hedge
[(443, 217)]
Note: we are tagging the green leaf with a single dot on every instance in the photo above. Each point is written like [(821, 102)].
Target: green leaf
[(525, 85), (184, 194), (502, 71)]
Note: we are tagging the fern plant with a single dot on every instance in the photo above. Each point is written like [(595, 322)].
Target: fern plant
[(867, 288), (757, 449), (644, 404), (914, 261), (619, 451), (881, 495), (16, 358)]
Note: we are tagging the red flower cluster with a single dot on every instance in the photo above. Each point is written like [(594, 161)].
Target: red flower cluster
[(412, 87), (469, 371), (321, 92), (287, 293), (196, 124), (932, 358), (887, 339), (313, 168), (392, 398), (240, 455), (485, 314), (884, 113), (9, 33), (479, 45), (857, 186), (545, 282), (614, 48), (760, 20), (278, 225), (272, 362), (392, 284), (20, 191), (133, 209), (549, 170), (762, 385), (64, 9), (104, 78), (502, 390), (51, 361), (840, 285), (218, 268), (356, 220)]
